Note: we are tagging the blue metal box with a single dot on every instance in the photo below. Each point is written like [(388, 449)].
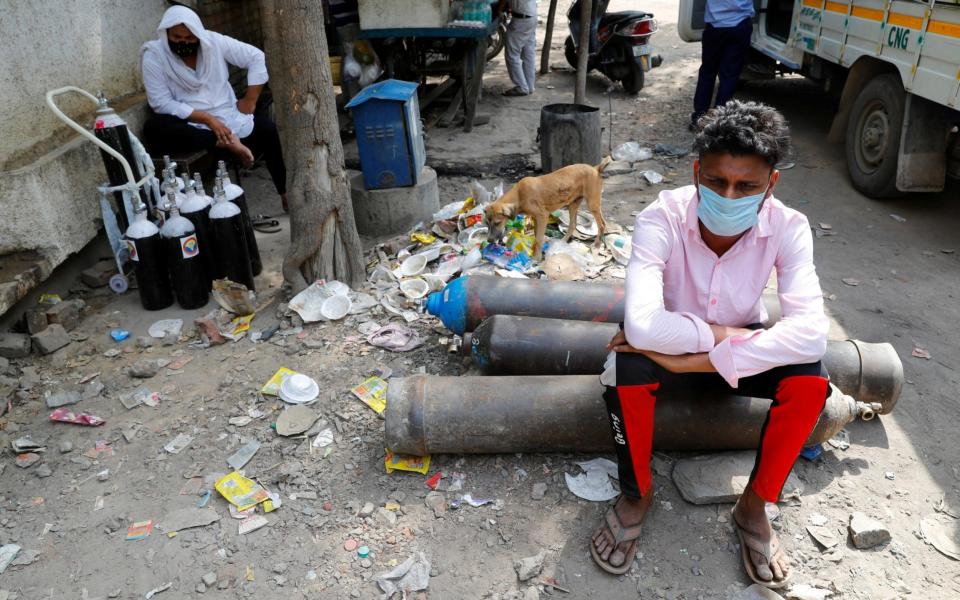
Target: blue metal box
[(386, 116)]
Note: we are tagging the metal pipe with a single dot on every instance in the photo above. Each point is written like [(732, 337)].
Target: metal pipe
[(478, 415), (465, 302), (511, 345)]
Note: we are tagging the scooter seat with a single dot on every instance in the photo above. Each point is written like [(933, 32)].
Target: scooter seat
[(614, 18)]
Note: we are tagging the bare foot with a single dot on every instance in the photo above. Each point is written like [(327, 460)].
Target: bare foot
[(751, 516), (243, 154), (631, 512)]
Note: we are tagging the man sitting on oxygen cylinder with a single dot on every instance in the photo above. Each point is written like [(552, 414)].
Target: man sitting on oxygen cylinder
[(702, 255), (188, 87)]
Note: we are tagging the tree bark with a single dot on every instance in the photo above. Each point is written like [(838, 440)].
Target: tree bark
[(324, 243), (548, 39), (580, 92)]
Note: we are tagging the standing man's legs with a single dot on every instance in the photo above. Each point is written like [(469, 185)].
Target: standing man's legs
[(529, 56), (518, 33), (734, 55), (710, 56)]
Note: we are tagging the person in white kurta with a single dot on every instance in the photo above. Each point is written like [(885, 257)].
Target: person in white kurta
[(521, 47), (188, 87)]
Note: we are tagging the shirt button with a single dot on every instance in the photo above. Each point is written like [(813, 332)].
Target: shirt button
[(714, 301)]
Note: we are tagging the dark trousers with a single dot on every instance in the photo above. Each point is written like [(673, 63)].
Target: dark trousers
[(724, 50), (798, 394), (167, 134)]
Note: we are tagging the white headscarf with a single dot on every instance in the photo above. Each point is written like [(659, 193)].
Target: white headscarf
[(209, 59)]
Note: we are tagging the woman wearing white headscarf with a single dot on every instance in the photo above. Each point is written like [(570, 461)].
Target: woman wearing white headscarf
[(188, 87)]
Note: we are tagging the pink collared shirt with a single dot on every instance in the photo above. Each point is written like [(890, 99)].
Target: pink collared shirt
[(676, 285)]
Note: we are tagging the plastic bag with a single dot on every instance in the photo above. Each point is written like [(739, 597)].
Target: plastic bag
[(632, 152)]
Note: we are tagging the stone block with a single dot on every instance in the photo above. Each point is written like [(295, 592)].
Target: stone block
[(394, 210), (99, 274), (720, 478), (866, 532), (14, 345), (51, 339), (36, 320), (66, 313)]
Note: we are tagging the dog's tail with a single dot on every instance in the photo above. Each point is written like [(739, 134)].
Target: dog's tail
[(603, 164)]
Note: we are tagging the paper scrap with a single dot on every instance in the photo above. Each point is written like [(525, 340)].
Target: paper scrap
[(373, 393), (139, 530), (595, 483), (241, 492), (405, 462), (272, 386)]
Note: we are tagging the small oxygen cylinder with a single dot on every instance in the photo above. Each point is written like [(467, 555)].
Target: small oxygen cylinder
[(182, 254), (171, 180), (146, 253), (234, 193), (169, 165), (112, 130), (198, 186), (196, 209), (230, 244)]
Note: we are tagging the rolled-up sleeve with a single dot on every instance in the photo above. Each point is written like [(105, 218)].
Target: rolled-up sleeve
[(648, 325), (158, 91), (800, 337), (245, 56)]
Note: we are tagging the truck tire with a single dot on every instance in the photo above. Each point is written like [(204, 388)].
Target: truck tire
[(873, 136)]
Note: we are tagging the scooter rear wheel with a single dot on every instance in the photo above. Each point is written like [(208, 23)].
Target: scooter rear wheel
[(633, 82), (570, 51)]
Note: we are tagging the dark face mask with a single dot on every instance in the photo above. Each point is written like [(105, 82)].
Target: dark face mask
[(184, 49)]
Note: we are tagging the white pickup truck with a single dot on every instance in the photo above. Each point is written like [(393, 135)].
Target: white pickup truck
[(896, 67)]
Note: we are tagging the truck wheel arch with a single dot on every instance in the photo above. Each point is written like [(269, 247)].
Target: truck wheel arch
[(862, 71)]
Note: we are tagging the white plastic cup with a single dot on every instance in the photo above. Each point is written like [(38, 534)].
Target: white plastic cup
[(414, 289), (335, 308), (413, 265)]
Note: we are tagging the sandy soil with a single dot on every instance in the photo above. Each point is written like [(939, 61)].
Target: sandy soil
[(896, 470)]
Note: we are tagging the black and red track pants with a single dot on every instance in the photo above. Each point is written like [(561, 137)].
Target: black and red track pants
[(797, 392)]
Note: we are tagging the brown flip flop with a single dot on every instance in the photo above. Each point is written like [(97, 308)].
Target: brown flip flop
[(620, 534), (769, 550)]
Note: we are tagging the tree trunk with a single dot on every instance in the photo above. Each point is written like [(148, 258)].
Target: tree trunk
[(324, 243), (580, 92), (548, 39)]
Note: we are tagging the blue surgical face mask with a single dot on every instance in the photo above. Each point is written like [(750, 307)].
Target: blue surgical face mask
[(728, 216)]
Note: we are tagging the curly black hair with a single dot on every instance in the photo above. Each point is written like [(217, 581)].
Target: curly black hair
[(743, 128)]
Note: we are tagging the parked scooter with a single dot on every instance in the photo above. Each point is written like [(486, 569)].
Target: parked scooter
[(619, 44)]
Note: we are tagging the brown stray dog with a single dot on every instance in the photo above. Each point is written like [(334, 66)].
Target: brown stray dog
[(537, 197)]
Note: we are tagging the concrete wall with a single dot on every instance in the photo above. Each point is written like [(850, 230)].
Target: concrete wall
[(92, 44)]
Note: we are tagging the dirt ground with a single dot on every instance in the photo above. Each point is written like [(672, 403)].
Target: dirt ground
[(72, 526)]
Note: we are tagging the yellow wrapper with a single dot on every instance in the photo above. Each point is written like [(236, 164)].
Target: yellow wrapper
[(373, 393), (241, 324), (423, 238), (240, 491), (405, 462), (272, 387)]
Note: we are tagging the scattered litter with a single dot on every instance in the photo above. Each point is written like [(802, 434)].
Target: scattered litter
[(26, 444), (412, 575), (252, 523), (240, 421), (272, 386), (188, 518), (405, 462), (921, 353), (165, 327), (632, 152), (179, 363), (802, 591), (823, 536), (471, 501), (49, 299), (396, 337), (139, 396), (595, 483), (62, 397), (941, 532), (652, 176), (890, 475), (434, 480), (299, 389), (119, 335), (840, 441), (234, 297), (8, 552), (178, 444), (158, 590), (851, 281), (323, 439), (373, 393), (205, 498), (139, 530), (241, 492), (898, 218), (294, 420), (242, 456), (68, 416), (322, 301)]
